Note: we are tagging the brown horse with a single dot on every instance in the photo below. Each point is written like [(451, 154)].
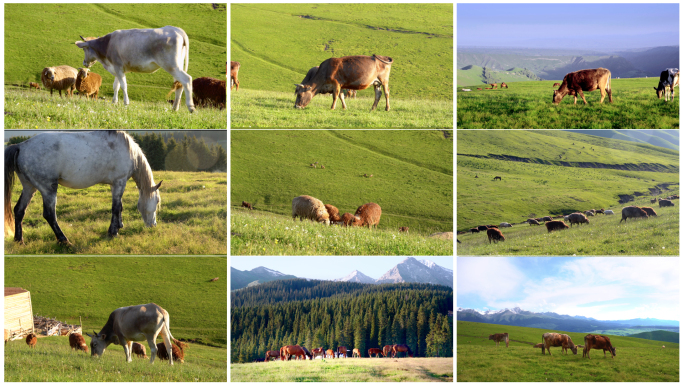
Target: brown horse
[(318, 351), (294, 350), (387, 350), (270, 354), (376, 351), (504, 85), (401, 348), (494, 85), (307, 353), (341, 351), (330, 353), (282, 353), (356, 353)]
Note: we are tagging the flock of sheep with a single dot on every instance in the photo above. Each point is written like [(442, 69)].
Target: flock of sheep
[(494, 233), (307, 207)]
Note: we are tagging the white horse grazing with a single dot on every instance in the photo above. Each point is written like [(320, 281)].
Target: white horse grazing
[(77, 160)]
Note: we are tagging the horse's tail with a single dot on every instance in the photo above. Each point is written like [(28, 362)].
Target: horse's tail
[(11, 154)]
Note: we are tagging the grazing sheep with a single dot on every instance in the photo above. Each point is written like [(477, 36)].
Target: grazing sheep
[(555, 225), (34, 85), (495, 234), (61, 78), (602, 211), (368, 214), (577, 218), (649, 211), (533, 221), (632, 211), (140, 351), (666, 203), (88, 83), (234, 68), (609, 212), (505, 225), (333, 212), (403, 229), (307, 207), (588, 213), (546, 218), (247, 205), (178, 353), (474, 230), (31, 340), (77, 342), (348, 219)]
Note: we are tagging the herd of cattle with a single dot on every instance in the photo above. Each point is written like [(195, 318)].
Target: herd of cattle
[(494, 233), (564, 341), (136, 50), (301, 353), (587, 80)]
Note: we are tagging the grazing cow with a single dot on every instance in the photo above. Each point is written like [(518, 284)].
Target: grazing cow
[(497, 178), (346, 93), (497, 337), (178, 353), (77, 342), (356, 353), (479, 89), (142, 50), (482, 227), (206, 92), (577, 218), (474, 230), (673, 197), (330, 353), (387, 350), (533, 221), (505, 225), (665, 203), (271, 354), (584, 80), (558, 340), (247, 205), (609, 212), (140, 351), (341, 351), (540, 345), (546, 218), (555, 225), (234, 68), (401, 348), (654, 200), (135, 323), (669, 79), (632, 211), (374, 351), (31, 340), (495, 234), (598, 342), (504, 85), (556, 85), (350, 72), (602, 211), (494, 85), (649, 211)]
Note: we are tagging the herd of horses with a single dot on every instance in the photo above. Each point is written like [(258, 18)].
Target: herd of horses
[(301, 353)]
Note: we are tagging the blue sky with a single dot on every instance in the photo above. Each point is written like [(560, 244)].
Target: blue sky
[(561, 26), (605, 288), (330, 267)]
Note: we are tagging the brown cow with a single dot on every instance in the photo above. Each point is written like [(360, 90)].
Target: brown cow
[(668, 81), (140, 351), (247, 205), (556, 85), (234, 68), (558, 340), (584, 80), (649, 211), (474, 230), (374, 351), (387, 350), (495, 234), (598, 342), (178, 353), (77, 342), (665, 203), (633, 212), (270, 354), (356, 353), (577, 218), (350, 72), (497, 337), (504, 85), (555, 225), (533, 221)]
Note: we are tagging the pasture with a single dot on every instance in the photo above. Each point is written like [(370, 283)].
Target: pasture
[(53, 29), (91, 287), (528, 105), (276, 55), (192, 219), (359, 370), (478, 358)]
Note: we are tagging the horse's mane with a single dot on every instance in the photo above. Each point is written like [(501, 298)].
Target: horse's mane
[(142, 173)]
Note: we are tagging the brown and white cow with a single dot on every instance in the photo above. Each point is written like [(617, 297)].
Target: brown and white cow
[(669, 79), (77, 342), (598, 342), (234, 69), (349, 72), (574, 83), (558, 340), (497, 337)]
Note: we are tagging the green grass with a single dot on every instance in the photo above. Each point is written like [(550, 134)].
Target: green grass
[(658, 335), (31, 109), (276, 55), (192, 219), (356, 370), (480, 360), (270, 168), (526, 105), (64, 288), (262, 233)]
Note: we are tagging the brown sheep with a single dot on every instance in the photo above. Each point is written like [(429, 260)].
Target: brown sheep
[(555, 225), (140, 351), (77, 342), (234, 68), (31, 340), (577, 218), (307, 207), (61, 78), (88, 83), (368, 214), (588, 213), (206, 92), (632, 211), (665, 203), (333, 212), (247, 205), (178, 352), (34, 85), (495, 234), (533, 221), (649, 211), (348, 219), (403, 229)]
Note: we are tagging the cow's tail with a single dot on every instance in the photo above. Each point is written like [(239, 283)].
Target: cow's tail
[(11, 155), (186, 45), (543, 345)]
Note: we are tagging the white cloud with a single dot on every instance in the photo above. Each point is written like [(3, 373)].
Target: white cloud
[(491, 278)]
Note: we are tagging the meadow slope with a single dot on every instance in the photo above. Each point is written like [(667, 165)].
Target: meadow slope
[(480, 360), (526, 105)]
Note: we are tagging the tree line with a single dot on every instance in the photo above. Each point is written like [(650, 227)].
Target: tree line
[(187, 154), (363, 319)]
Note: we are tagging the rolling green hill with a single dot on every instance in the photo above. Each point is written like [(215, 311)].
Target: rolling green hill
[(672, 337), (479, 359), (660, 138), (473, 74)]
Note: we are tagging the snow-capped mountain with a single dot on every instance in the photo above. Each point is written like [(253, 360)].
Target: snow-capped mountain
[(241, 279), (413, 271), (266, 271), (357, 277)]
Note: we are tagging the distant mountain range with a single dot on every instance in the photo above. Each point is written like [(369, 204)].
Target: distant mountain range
[(408, 271), (659, 137), (551, 320)]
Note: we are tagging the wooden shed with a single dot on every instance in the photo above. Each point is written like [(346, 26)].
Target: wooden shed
[(18, 312)]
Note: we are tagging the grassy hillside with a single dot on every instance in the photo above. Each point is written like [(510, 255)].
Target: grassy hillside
[(358, 370), (270, 168), (661, 138), (672, 337), (192, 219), (529, 105), (472, 74), (636, 360)]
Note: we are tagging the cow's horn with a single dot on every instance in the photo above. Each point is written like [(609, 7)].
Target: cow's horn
[(81, 37)]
